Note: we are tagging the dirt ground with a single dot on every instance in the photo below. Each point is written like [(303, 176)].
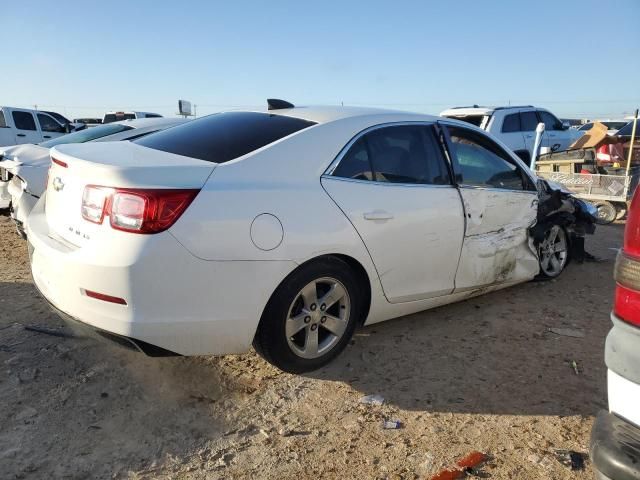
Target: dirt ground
[(484, 374)]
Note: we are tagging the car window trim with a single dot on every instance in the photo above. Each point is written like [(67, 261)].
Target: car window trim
[(328, 173), (458, 172)]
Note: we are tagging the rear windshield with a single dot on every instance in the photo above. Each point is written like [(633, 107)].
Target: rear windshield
[(222, 137), (626, 130), (86, 135)]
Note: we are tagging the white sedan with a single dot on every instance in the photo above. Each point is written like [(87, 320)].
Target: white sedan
[(23, 168), (284, 229)]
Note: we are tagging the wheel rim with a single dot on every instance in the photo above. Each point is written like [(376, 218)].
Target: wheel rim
[(606, 213), (317, 317), (553, 251)]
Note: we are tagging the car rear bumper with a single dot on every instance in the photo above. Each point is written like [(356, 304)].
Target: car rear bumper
[(615, 448), (174, 300)]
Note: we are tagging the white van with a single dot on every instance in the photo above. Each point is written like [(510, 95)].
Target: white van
[(110, 117), (21, 125)]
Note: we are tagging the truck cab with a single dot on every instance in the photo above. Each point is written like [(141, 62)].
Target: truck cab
[(21, 125)]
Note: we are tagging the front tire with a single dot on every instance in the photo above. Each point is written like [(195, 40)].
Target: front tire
[(553, 252), (311, 316)]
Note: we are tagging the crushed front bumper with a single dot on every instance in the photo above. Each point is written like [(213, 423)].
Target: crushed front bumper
[(615, 448)]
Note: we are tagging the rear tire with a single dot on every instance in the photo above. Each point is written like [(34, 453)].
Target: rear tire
[(310, 317), (606, 212)]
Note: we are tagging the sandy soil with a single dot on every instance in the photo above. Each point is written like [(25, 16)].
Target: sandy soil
[(484, 374)]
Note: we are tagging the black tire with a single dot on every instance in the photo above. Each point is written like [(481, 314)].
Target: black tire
[(271, 340), (621, 210), (606, 212)]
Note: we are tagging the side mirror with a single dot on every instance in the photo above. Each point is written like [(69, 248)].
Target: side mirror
[(68, 128), (566, 125)]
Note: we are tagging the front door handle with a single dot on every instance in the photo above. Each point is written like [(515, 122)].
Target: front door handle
[(20, 135), (46, 136), (378, 215), (530, 136)]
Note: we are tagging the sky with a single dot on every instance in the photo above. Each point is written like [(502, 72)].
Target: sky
[(578, 58)]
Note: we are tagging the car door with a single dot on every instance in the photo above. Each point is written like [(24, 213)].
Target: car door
[(49, 126), (393, 184), (26, 130), (500, 204), (511, 132), (556, 137), (528, 122)]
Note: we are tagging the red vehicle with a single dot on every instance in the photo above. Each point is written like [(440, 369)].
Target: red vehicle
[(615, 438)]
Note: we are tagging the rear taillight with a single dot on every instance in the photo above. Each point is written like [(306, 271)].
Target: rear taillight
[(627, 269), (135, 210)]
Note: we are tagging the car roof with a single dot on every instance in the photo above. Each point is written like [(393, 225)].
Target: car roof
[(326, 114), (151, 122), (478, 110)]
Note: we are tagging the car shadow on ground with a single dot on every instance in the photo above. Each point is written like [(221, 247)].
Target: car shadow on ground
[(101, 400), (492, 354)]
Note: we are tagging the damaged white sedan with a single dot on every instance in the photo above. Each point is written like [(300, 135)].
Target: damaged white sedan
[(284, 229)]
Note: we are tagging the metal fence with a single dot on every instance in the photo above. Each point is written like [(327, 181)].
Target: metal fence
[(595, 187)]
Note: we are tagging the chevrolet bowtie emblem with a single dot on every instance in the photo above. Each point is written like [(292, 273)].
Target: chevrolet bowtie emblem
[(58, 184)]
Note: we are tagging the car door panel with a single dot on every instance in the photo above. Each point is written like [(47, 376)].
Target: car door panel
[(412, 232), (394, 185), (496, 247)]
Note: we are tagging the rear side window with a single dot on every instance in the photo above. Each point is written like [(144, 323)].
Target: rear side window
[(222, 137), (511, 123), (24, 120), (397, 154), (528, 121)]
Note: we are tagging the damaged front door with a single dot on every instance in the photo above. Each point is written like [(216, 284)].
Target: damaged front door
[(500, 204)]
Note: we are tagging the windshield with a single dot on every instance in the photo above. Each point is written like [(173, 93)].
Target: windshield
[(86, 135), (626, 130)]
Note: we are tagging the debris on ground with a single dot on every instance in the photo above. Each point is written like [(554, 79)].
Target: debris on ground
[(374, 399), (567, 332), (574, 365), (391, 424), (466, 465), (571, 459)]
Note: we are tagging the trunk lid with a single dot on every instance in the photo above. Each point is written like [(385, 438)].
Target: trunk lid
[(110, 164)]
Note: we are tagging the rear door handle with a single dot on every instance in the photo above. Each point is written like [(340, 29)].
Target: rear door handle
[(46, 136), (529, 136), (378, 215), (20, 135)]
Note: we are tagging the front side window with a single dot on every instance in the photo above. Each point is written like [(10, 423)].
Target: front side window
[(3, 122), (482, 163), (511, 123), (396, 154), (550, 122), (48, 124), (23, 120), (528, 121), (222, 137)]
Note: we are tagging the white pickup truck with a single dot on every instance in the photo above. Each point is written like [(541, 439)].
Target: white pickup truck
[(516, 126), (21, 125)]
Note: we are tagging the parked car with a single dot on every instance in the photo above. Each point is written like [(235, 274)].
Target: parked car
[(21, 125), (516, 126), (612, 126), (119, 116), (283, 229), (615, 438), (23, 168)]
